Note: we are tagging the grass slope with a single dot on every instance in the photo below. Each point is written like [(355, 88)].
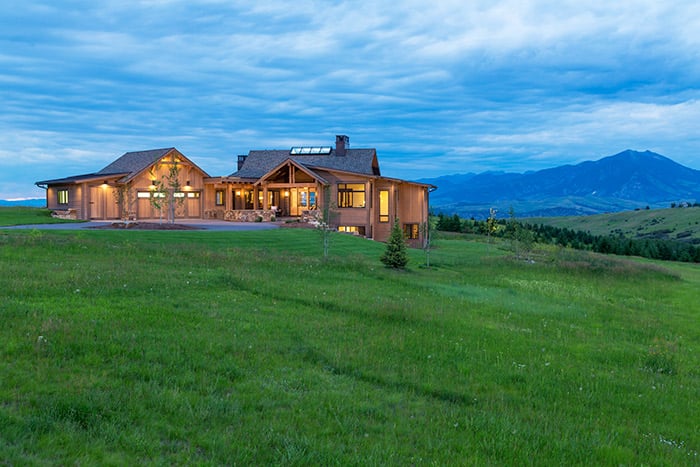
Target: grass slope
[(672, 224), (247, 348)]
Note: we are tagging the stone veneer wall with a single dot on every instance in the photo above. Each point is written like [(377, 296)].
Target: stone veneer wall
[(65, 214), (250, 215)]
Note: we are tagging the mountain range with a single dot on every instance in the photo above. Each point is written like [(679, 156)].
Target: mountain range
[(25, 202), (628, 180)]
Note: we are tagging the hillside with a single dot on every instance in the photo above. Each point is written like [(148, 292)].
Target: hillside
[(670, 224), (246, 348), (625, 181)]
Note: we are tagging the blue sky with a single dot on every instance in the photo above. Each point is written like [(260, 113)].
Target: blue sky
[(439, 87)]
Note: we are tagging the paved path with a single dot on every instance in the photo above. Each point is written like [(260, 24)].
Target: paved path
[(204, 224)]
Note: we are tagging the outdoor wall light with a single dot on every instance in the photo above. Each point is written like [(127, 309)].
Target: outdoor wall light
[(238, 193), (286, 194)]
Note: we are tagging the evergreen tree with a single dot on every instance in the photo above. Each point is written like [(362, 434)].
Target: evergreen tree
[(395, 255)]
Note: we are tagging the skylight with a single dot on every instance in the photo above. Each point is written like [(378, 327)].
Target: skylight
[(310, 150)]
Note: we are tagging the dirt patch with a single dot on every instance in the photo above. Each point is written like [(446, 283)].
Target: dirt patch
[(145, 226)]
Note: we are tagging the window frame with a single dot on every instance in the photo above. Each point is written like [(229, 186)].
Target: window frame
[(348, 196), (411, 231), (63, 196), (219, 197), (383, 206)]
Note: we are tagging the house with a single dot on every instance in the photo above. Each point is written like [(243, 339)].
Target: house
[(300, 182)]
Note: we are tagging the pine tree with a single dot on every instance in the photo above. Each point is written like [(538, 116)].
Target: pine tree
[(395, 255)]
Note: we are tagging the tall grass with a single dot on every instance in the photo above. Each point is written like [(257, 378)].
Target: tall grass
[(249, 348)]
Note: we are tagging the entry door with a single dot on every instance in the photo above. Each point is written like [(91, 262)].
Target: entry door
[(103, 203), (97, 203), (194, 205)]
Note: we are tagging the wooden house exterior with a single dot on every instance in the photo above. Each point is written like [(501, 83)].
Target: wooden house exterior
[(138, 185), (299, 183)]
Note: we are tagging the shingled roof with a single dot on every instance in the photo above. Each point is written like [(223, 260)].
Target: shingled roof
[(360, 161), (135, 162), (74, 179)]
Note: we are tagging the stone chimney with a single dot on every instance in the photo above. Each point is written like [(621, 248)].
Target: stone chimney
[(241, 161), (342, 143)]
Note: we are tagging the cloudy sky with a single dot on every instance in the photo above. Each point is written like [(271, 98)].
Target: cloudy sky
[(438, 87)]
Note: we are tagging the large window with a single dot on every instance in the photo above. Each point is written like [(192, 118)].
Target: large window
[(219, 198), (351, 195), (383, 205), (307, 198), (62, 196)]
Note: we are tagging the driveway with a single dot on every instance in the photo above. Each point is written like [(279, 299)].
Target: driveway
[(204, 224)]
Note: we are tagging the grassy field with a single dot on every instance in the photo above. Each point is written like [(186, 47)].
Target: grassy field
[(247, 348), (28, 216), (672, 224)]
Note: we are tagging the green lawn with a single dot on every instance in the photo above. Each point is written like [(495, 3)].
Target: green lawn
[(28, 216), (247, 348)]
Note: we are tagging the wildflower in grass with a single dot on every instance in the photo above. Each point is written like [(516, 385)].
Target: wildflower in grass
[(661, 357)]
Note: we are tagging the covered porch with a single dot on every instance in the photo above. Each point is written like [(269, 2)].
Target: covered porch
[(288, 190)]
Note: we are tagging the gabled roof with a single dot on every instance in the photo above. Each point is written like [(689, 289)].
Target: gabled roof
[(301, 167), (127, 166), (359, 161), (135, 162)]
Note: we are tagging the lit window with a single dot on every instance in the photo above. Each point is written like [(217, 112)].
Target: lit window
[(219, 197), (143, 194), (351, 195), (194, 194), (383, 205), (62, 196), (178, 194), (353, 229), (410, 231)]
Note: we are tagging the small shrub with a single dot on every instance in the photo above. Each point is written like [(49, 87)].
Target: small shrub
[(395, 255)]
